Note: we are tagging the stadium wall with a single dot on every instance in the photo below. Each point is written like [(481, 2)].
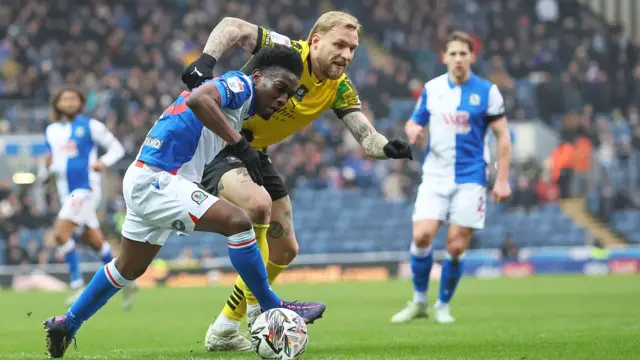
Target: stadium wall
[(329, 268)]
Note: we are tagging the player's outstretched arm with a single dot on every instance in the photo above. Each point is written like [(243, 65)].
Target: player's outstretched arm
[(375, 144), (231, 32), (228, 33)]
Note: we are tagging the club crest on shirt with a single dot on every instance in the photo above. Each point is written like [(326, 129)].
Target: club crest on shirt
[(198, 197), (474, 99), (79, 132)]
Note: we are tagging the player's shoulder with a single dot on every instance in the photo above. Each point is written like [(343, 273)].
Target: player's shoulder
[(437, 83), (345, 82), (234, 81), (301, 46), (82, 120), (481, 83), (234, 76)]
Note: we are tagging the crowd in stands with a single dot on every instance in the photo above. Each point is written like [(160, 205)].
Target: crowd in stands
[(551, 59)]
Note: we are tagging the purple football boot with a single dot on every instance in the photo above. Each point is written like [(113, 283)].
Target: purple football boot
[(308, 311), (60, 334)]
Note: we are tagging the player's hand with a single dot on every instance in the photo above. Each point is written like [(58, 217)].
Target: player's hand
[(198, 71), (396, 149), (415, 132), (501, 192), (97, 166), (250, 158)]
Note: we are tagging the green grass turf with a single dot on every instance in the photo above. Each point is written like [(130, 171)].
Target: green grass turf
[(574, 317)]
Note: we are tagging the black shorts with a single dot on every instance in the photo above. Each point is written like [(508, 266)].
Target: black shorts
[(225, 161)]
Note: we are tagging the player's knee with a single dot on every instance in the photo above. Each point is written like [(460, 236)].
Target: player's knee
[(423, 239), (60, 240), (259, 209), (130, 270), (457, 247), (237, 222)]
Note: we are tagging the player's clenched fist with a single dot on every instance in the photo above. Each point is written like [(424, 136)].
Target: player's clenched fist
[(396, 149), (414, 131), (501, 192), (250, 158), (198, 71)]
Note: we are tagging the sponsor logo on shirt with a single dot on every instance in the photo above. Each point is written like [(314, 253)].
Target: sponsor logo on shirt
[(235, 84), (457, 122), (153, 142)]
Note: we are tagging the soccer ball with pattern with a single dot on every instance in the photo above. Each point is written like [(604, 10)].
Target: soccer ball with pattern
[(279, 334)]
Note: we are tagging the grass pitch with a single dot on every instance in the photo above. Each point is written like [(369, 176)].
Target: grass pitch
[(573, 317)]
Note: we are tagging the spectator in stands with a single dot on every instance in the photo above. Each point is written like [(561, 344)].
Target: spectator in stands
[(635, 139), (561, 164), (612, 200), (548, 191), (524, 196), (16, 254), (33, 250), (509, 249)]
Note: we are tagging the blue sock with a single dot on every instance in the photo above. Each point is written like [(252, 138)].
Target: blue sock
[(105, 283), (105, 253), (73, 262), (246, 259), (451, 274), (421, 263)]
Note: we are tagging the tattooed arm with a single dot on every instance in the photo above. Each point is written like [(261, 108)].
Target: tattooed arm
[(229, 32), (371, 141)]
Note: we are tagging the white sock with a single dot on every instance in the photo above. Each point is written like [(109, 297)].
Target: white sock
[(439, 304), (419, 297), (113, 275), (420, 252), (105, 249), (66, 247), (77, 284), (250, 307), (223, 323)]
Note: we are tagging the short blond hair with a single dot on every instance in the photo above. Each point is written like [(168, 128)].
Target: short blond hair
[(330, 20)]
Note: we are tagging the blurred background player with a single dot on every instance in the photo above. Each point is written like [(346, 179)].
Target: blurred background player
[(162, 197), (326, 54), (458, 108), (72, 141)]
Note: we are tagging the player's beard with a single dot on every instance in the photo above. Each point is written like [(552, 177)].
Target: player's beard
[(66, 114), (332, 71)]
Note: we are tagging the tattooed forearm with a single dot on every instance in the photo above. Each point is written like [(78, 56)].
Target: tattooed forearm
[(371, 141), (229, 32)]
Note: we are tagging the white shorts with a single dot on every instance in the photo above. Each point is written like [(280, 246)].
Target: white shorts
[(460, 204), (159, 203), (80, 207)]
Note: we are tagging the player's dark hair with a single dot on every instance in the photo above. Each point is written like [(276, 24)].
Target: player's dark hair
[(461, 36), (278, 57), (55, 114)]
